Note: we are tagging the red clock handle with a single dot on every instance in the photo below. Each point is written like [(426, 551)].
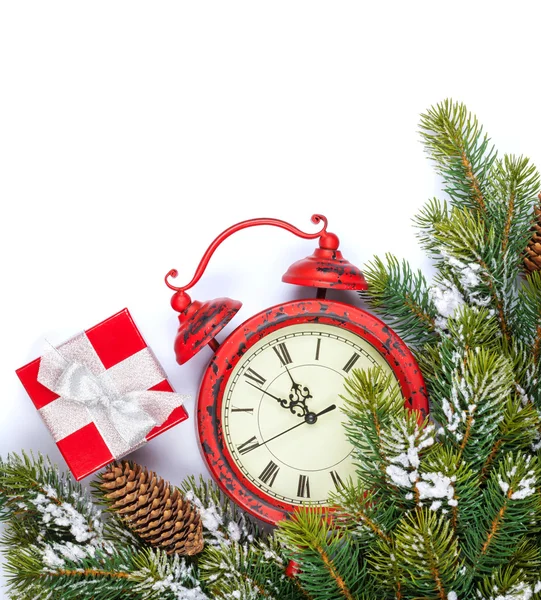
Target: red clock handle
[(327, 240)]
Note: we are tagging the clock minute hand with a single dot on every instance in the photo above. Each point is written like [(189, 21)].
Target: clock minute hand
[(295, 385), (311, 421)]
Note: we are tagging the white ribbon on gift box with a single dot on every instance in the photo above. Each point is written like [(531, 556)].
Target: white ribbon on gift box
[(116, 400)]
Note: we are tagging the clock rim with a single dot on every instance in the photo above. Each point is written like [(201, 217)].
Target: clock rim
[(220, 463)]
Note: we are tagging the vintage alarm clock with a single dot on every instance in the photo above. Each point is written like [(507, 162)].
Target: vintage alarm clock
[(269, 409)]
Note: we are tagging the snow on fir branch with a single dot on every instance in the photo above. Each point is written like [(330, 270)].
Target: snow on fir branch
[(223, 522)]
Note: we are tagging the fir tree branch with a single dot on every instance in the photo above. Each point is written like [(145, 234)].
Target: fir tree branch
[(491, 458), (516, 432), (530, 322), (401, 296), (146, 575), (387, 572), (450, 487), (427, 221), (511, 502), (256, 571), (508, 582), (536, 349), (359, 512), (455, 141), (329, 562), (385, 436), (427, 552), (471, 414), (471, 255), (514, 183), (223, 521), (33, 489)]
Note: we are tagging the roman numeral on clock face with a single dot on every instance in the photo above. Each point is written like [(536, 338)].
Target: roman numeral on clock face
[(268, 475), (248, 445), (349, 365), (318, 347), (338, 483), (255, 377), (282, 353), (303, 489), (243, 410)]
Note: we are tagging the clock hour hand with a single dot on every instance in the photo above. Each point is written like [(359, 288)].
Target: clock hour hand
[(280, 400), (310, 418)]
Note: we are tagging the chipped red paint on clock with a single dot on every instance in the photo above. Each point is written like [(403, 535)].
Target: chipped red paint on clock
[(222, 466)]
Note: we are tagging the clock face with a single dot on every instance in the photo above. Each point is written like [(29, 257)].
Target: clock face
[(269, 413), (282, 412)]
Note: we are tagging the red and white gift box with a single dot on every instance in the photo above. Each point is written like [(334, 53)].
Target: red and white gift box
[(107, 405)]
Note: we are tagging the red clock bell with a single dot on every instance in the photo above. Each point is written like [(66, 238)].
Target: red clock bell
[(268, 413)]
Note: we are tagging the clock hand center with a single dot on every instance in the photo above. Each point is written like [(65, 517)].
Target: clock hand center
[(319, 414)]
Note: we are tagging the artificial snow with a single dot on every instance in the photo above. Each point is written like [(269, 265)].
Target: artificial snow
[(447, 299), (454, 417), (55, 555), (536, 444), (403, 468), (51, 558), (210, 516), (452, 596), (63, 515), (469, 276), (179, 591), (272, 555), (503, 484), (177, 578), (213, 521), (526, 487), (521, 591), (436, 485), (403, 472), (234, 531), (398, 475)]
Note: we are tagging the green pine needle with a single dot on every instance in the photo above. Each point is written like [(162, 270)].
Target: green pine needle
[(402, 297)]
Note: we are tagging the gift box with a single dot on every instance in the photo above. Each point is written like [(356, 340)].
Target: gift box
[(102, 394)]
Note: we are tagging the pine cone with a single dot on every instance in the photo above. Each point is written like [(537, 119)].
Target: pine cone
[(532, 260), (152, 508)]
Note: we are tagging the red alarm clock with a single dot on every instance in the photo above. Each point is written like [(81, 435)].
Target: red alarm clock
[(269, 410)]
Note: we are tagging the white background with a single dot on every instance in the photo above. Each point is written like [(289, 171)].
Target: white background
[(132, 133)]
